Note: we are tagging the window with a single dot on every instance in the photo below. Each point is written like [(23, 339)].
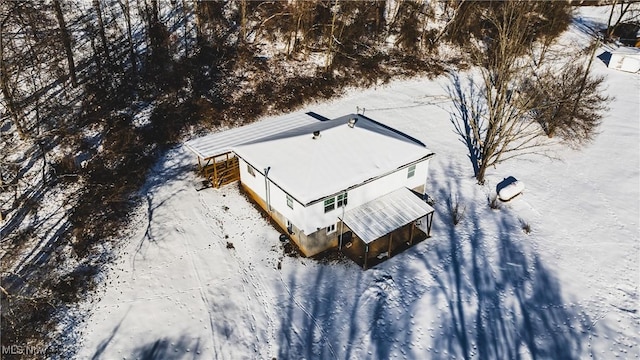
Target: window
[(329, 204), (331, 228), (250, 170), (289, 201), (342, 200), (412, 171)]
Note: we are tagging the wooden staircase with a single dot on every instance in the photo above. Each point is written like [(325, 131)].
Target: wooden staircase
[(222, 171)]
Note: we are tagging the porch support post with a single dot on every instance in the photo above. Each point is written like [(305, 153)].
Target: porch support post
[(390, 240), (215, 174), (366, 255), (429, 222), (413, 225)]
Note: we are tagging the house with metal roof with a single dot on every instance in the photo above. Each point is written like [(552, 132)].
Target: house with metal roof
[(350, 182)]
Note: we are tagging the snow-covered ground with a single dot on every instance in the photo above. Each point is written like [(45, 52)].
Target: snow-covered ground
[(567, 289)]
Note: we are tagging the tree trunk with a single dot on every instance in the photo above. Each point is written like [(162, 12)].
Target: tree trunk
[(609, 28), (329, 55), (126, 11), (623, 11), (101, 32), (243, 21), (4, 88), (185, 16), (66, 42), (198, 12), (584, 79)]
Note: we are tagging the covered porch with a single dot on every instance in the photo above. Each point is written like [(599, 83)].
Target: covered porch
[(384, 227), (217, 162), (220, 170)]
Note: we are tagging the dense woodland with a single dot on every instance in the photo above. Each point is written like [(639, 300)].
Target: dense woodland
[(92, 92)]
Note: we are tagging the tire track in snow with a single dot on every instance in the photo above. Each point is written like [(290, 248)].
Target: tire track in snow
[(260, 292), (203, 296), (246, 278), (325, 338)]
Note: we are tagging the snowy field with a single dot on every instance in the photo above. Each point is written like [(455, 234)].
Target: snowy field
[(568, 289)]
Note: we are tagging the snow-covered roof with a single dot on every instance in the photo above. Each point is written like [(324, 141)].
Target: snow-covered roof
[(310, 169), (223, 141), (381, 216)]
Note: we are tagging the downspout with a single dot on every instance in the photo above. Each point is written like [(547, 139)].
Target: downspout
[(266, 188), (344, 193)]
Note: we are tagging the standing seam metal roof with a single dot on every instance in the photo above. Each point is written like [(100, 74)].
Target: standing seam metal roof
[(222, 142), (385, 214)]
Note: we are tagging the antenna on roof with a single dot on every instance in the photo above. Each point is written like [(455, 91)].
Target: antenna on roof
[(358, 110)]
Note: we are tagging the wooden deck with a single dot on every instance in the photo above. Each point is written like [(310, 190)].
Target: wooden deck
[(220, 170), (382, 249)]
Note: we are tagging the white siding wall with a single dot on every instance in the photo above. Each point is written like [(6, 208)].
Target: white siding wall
[(316, 217), (254, 183), (277, 198), (311, 218)]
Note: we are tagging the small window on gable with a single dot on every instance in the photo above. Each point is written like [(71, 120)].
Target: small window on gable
[(412, 171), (342, 200), (329, 204), (250, 170), (331, 228), (289, 201)]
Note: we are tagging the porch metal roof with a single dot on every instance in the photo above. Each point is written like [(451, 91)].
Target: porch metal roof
[(222, 142), (385, 214)]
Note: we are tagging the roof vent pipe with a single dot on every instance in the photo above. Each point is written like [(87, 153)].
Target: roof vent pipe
[(352, 122), (316, 134)]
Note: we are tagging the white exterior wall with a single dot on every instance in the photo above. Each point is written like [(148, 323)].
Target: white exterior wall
[(310, 219), (277, 197), (316, 218), (254, 183)]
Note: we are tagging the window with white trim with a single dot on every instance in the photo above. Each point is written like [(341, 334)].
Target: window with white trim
[(412, 171), (289, 201), (329, 204), (250, 170), (342, 200), (336, 201), (331, 228)]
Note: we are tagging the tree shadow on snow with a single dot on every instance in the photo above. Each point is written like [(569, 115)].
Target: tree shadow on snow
[(502, 301), (169, 349), (181, 348), (342, 312), (467, 108), (162, 173), (492, 296)]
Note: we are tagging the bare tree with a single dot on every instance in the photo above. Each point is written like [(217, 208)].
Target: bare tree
[(101, 29), (624, 9), (520, 99), (66, 41), (9, 65), (493, 120), (126, 11), (568, 103), (498, 128), (335, 11)]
